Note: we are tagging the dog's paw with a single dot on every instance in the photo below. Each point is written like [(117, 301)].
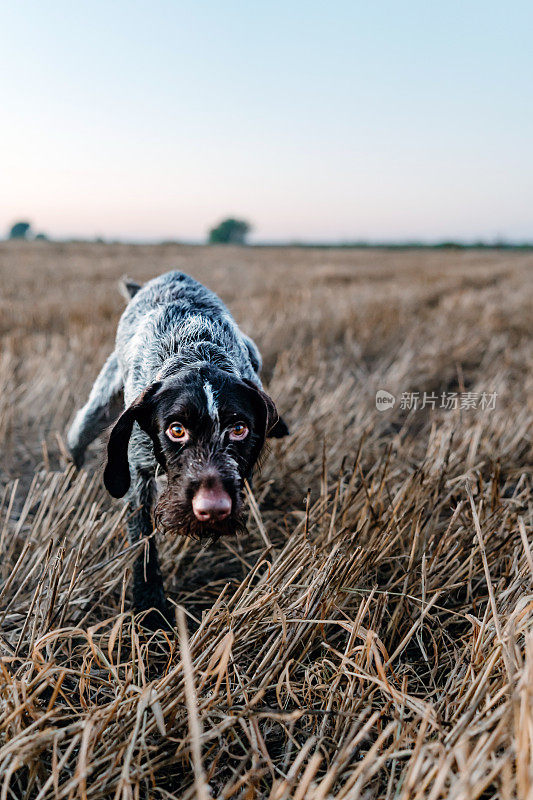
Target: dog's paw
[(76, 457)]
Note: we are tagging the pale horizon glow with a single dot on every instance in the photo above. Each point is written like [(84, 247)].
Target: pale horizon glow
[(316, 122)]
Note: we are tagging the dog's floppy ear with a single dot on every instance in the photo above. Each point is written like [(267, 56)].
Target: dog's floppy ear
[(117, 471), (279, 429), (275, 426), (128, 288)]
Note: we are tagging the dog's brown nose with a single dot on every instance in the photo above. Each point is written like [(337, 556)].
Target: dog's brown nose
[(211, 504)]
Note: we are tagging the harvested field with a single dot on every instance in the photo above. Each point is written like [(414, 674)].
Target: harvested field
[(372, 635)]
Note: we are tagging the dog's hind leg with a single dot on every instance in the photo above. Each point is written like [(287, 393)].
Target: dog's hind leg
[(101, 409)]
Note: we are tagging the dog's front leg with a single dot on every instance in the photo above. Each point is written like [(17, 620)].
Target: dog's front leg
[(148, 592)]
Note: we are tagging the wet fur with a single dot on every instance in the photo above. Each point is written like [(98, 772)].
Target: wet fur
[(173, 335)]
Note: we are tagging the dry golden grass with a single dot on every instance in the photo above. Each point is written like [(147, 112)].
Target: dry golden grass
[(372, 636)]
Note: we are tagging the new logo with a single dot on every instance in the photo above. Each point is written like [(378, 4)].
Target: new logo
[(384, 400)]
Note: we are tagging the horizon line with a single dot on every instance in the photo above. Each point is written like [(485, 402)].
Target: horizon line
[(448, 242)]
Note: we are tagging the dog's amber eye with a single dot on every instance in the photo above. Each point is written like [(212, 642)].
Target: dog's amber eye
[(238, 431), (177, 432)]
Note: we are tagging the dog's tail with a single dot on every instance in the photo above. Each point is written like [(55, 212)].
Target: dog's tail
[(128, 288)]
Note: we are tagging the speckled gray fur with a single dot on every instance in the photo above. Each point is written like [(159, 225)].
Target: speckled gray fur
[(170, 322)]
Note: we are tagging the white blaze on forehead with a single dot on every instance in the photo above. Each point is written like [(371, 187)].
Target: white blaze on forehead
[(212, 409)]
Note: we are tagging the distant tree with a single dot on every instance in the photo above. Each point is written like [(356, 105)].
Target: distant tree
[(41, 237), (229, 231), (19, 230)]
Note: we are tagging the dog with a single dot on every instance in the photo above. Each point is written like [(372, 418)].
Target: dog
[(182, 388)]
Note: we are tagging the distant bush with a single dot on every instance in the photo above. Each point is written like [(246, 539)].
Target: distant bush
[(20, 230), (229, 231), (41, 237)]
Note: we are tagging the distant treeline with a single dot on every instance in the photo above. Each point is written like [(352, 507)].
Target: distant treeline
[(358, 245), (231, 231), (361, 245)]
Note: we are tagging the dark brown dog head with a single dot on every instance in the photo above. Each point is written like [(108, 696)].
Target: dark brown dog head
[(208, 429)]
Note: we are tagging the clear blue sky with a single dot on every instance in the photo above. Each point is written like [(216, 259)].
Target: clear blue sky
[(314, 120)]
